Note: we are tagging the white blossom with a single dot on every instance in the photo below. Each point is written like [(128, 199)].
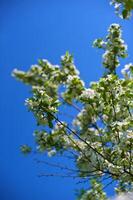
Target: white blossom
[(105, 117), (56, 66), (52, 153), (62, 57), (46, 61), (126, 68), (105, 54), (127, 196), (88, 93), (76, 70), (114, 24), (129, 134), (67, 140), (117, 6), (70, 78), (59, 125), (93, 83)]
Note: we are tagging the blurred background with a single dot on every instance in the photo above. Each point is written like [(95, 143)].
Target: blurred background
[(33, 29)]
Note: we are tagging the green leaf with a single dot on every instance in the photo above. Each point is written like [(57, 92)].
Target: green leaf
[(125, 13), (25, 149)]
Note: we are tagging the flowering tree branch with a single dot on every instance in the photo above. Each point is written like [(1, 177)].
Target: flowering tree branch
[(100, 136)]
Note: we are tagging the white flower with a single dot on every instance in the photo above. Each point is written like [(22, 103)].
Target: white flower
[(126, 47), (70, 78), (117, 109), (109, 77), (126, 196), (52, 153), (129, 134), (35, 66), (67, 140), (105, 117), (123, 71), (105, 54), (126, 68), (42, 92), (46, 61), (88, 93), (82, 82), (117, 6), (59, 125), (81, 144), (62, 57), (93, 83), (114, 25), (120, 134), (76, 70), (56, 66), (96, 41), (122, 41), (93, 130)]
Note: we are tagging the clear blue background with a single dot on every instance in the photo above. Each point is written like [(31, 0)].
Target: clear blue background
[(33, 29)]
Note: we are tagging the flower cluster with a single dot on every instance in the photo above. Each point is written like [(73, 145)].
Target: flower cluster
[(88, 94), (127, 71), (113, 46), (123, 8)]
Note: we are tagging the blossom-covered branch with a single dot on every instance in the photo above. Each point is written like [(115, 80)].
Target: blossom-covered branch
[(101, 132)]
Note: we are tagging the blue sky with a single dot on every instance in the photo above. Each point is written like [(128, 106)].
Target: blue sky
[(33, 29)]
